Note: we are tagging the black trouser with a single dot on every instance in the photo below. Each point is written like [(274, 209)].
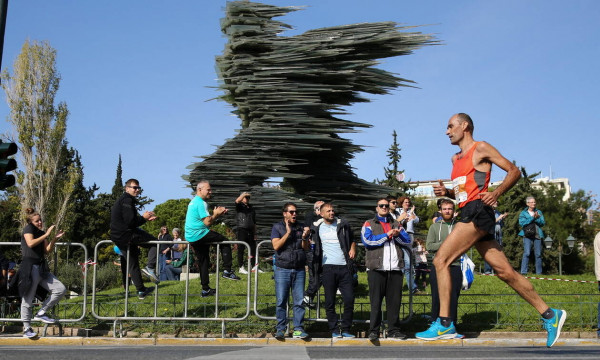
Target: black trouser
[(456, 276), (138, 238), (247, 236), (124, 271), (201, 249), (386, 284), (421, 273), (314, 281), (336, 277)]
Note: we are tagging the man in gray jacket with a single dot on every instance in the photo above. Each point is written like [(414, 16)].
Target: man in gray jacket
[(435, 237)]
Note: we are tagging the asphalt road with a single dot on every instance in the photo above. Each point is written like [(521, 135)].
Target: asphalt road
[(294, 352)]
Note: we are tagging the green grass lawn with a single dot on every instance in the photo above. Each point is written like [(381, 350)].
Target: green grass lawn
[(488, 305)]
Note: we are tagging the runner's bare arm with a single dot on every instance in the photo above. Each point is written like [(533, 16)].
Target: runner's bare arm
[(487, 153), (441, 190)]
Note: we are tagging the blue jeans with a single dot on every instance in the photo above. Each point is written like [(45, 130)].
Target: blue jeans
[(598, 332), (286, 279), (162, 264), (537, 248), (408, 275), (172, 273)]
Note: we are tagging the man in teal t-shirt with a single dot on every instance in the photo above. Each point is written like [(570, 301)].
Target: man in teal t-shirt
[(195, 228), (197, 232)]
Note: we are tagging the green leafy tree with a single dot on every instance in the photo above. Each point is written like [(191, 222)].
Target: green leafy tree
[(512, 202), (564, 218), (170, 213), (90, 215), (40, 126), (9, 222)]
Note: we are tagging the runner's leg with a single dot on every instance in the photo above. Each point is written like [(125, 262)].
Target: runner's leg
[(462, 237), (492, 253)]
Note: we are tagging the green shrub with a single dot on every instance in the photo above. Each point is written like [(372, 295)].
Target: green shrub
[(107, 276)]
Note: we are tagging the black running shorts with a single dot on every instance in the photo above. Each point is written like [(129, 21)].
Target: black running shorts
[(481, 215)]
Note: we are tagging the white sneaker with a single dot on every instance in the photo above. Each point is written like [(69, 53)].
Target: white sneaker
[(242, 270), (29, 333), (255, 268)]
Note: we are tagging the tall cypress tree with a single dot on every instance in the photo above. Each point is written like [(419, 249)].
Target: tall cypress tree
[(118, 187)]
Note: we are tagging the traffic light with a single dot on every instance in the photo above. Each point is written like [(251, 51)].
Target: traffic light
[(6, 165)]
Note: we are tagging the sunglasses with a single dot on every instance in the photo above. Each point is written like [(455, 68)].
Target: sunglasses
[(383, 206), (291, 211), (136, 187)]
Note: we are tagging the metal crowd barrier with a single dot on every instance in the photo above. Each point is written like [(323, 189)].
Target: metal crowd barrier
[(58, 306), (155, 317), (317, 311)]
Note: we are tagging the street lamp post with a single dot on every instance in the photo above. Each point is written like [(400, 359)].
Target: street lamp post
[(570, 242)]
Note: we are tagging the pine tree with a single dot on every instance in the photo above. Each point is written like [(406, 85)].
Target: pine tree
[(392, 172)]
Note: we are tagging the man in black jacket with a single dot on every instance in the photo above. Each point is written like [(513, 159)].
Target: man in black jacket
[(124, 232), (334, 254)]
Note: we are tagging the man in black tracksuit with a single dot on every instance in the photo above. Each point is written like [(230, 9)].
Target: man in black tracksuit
[(124, 232)]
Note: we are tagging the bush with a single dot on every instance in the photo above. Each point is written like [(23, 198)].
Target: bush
[(107, 276), (71, 276)]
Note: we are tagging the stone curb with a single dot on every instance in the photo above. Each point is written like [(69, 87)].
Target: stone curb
[(327, 342)]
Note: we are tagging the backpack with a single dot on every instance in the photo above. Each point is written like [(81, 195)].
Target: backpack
[(467, 267)]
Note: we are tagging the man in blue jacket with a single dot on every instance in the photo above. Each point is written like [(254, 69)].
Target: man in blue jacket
[(383, 237), (532, 218)]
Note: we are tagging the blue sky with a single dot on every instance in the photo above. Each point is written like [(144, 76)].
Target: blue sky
[(137, 76)]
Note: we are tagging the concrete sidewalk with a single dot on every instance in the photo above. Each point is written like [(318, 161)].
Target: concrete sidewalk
[(531, 339)]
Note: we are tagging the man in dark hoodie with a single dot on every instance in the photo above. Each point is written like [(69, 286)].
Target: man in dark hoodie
[(334, 254)]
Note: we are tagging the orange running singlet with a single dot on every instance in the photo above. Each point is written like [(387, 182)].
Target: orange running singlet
[(468, 182)]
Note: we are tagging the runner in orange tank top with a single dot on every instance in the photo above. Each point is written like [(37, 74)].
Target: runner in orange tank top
[(468, 182), (470, 177)]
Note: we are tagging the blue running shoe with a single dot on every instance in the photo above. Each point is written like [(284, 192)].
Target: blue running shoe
[(554, 325), (336, 334), (436, 332), (347, 335), (279, 335)]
